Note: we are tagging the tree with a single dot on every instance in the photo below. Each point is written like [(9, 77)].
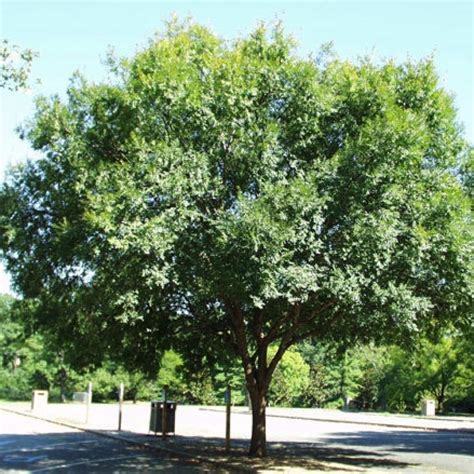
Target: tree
[(442, 366), (325, 362), (232, 196), (15, 66), (290, 380), (27, 361), (372, 364), (11, 332)]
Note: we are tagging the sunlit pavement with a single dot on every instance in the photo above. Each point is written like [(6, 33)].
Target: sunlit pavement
[(341, 445)]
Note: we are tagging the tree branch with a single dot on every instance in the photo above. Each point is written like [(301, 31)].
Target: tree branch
[(317, 331), (286, 341)]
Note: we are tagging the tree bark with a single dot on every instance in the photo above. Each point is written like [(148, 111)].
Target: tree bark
[(258, 371), (441, 398), (258, 443)]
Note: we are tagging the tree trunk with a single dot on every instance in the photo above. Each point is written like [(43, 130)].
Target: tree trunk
[(258, 447), (441, 399), (63, 394)]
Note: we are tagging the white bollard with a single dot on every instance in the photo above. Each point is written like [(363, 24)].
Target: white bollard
[(121, 390)]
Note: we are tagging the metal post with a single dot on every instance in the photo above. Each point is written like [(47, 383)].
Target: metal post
[(89, 400), (164, 419), (121, 390), (228, 401)]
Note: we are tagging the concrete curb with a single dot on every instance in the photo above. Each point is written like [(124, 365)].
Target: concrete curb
[(355, 422), (124, 439)]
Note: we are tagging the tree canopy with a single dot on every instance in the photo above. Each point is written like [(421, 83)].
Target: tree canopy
[(228, 196)]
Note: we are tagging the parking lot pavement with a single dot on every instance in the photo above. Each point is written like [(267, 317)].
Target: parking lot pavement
[(377, 419), (32, 445), (298, 443), (462, 423)]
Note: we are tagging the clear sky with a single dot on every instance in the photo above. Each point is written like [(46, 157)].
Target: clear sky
[(71, 35)]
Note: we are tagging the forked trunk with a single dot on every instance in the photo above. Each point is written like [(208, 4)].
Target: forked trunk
[(258, 443)]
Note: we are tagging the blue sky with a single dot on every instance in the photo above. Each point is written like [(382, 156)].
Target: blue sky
[(71, 35)]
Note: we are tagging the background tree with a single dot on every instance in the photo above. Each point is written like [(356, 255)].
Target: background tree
[(11, 332), (442, 366), (27, 360), (290, 380), (371, 362), (324, 387), (232, 197)]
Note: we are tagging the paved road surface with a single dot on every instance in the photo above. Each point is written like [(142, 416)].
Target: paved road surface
[(30, 445), (366, 447), (380, 448)]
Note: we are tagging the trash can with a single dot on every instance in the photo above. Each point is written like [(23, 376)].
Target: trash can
[(156, 416), (39, 399), (428, 408)]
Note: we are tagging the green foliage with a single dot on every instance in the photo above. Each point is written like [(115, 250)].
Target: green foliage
[(440, 370), (15, 66), (324, 386), (104, 384), (392, 378), (365, 368), (443, 368), (336, 373), (11, 331), (314, 375), (230, 374), (170, 364), (27, 362), (225, 197), (241, 174), (291, 379)]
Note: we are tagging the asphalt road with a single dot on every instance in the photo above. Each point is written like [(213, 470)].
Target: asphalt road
[(366, 448), (384, 448), (31, 445)]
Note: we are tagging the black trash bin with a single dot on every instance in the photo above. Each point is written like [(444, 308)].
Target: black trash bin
[(156, 416)]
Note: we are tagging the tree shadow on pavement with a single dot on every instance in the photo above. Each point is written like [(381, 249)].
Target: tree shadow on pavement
[(281, 456), (65, 452)]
